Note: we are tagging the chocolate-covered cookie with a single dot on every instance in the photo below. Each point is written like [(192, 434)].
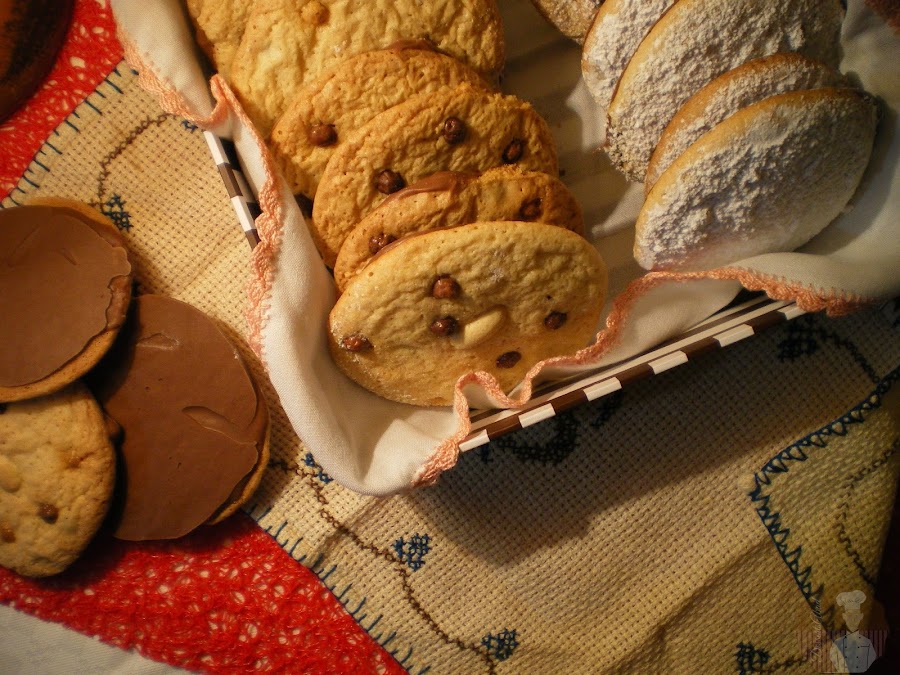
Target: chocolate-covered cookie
[(195, 427), (65, 285), (495, 296)]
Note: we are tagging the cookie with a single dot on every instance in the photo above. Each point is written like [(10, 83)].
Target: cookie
[(695, 41), (31, 34), (614, 36), (768, 178), (731, 91), (289, 43), (325, 112), (195, 427), (450, 198), (219, 26), (65, 284), (496, 297), (462, 129), (57, 470), (573, 18)]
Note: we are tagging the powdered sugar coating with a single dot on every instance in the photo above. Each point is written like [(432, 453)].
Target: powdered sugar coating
[(767, 179), (728, 93), (618, 29), (695, 41)]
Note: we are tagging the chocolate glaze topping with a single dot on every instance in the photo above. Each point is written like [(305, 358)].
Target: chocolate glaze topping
[(436, 182), (64, 280), (193, 422)]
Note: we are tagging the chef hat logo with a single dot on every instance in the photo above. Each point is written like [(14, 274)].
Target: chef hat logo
[(851, 600)]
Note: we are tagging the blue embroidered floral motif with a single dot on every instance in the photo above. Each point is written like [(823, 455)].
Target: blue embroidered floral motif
[(320, 474), (190, 126), (805, 338), (502, 645), (750, 659), (561, 433), (413, 552), (799, 342), (114, 209)]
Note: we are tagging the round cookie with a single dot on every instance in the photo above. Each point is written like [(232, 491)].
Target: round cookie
[(573, 18), (65, 285), (447, 199), (461, 129), (31, 34), (496, 297), (693, 42), (326, 111), (614, 36), (288, 43), (195, 427), (219, 26), (768, 178), (57, 470), (731, 91)]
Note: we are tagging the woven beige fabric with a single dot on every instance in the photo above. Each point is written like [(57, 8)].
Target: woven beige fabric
[(622, 536)]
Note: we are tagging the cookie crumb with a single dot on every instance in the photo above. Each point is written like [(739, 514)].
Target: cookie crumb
[(315, 13)]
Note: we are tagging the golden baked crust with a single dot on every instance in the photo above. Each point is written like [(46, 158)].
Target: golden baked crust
[(57, 469), (327, 111), (450, 199), (573, 18), (410, 141), (496, 297), (288, 43)]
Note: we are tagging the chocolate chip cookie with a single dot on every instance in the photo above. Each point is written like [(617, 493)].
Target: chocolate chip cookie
[(462, 129), (323, 114), (452, 198), (57, 469), (496, 297), (288, 43)]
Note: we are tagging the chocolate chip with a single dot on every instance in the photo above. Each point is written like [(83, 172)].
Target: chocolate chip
[(508, 360), (444, 327), (379, 241), (48, 513), (445, 287), (531, 210), (513, 152), (7, 534), (2, 408), (356, 343), (555, 320), (454, 130), (323, 135), (389, 182)]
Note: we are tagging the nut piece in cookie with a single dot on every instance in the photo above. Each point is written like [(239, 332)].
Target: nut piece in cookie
[(490, 296), (195, 427), (767, 179), (289, 43), (325, 112), (409, 141), (447, 199), (57, 469), (65, 285)]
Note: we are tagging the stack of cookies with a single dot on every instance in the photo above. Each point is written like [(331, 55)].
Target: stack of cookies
[(434, 198), (86, 370), (734, 116)]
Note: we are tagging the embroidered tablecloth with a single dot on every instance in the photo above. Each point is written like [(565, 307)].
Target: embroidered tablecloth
[(703, 520)]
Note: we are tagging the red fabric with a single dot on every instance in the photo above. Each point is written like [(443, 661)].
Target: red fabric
[(88, 54), (224, 599)]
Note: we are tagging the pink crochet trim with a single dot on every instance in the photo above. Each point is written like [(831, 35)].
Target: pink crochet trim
[(810, 299)]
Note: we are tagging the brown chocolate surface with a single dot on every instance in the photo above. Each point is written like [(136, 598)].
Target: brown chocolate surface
[(436, 182), (63, 281), (193, 423)]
